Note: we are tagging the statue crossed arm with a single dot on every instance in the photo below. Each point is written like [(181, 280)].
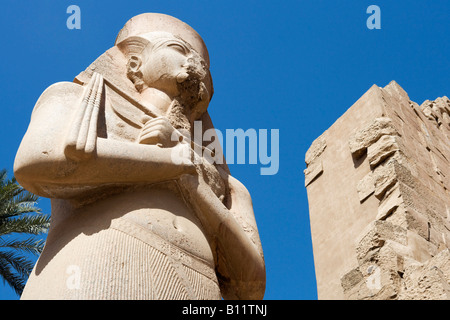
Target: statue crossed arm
[(61, 149), (110, 139)]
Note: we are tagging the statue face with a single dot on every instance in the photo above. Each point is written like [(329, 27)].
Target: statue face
[(169, 63)]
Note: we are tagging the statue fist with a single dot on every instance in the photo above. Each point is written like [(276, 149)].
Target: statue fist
[(159, 131)]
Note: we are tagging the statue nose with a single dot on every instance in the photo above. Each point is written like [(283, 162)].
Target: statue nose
[(196, 66)]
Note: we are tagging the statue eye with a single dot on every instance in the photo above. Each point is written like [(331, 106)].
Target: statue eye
[(178, 47)]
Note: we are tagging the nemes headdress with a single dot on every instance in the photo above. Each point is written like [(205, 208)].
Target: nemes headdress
[(145, 23)]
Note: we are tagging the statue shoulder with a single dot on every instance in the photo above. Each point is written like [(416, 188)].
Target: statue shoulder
[(60, 95)]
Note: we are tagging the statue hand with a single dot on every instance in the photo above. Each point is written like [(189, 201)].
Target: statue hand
[(159, 131)]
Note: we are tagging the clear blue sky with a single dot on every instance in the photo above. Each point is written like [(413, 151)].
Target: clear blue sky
[(295, 66)]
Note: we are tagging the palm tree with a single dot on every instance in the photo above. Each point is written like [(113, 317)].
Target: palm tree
[(21, 223)]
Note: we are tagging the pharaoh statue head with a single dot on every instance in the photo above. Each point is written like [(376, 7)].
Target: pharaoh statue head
[(166, 54)]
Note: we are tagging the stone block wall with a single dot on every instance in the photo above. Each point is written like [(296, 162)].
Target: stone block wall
[(377, 183)]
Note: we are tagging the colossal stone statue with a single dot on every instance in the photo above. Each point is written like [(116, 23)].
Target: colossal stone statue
[(138, 212)]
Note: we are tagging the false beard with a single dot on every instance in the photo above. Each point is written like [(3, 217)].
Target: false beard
[(188, 105)]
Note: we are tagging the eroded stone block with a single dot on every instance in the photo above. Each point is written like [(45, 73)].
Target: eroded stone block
[(312, 172), (384, 178), (315, 150), (379, 284), (365, 187), (351, 279), (390, 203), (360, 141), (428, 281), (375, 236), (410, 219), (421, 248), (386, 146)]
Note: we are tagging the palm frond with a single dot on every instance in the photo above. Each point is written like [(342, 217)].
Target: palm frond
[(18, 262), (3, 176), (15, 269), (19, 215), (29, 245), (23, 196), (16, 282), (32, 224), (14, 200)]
